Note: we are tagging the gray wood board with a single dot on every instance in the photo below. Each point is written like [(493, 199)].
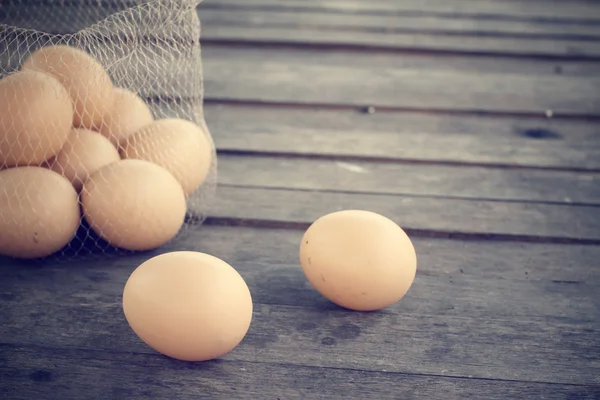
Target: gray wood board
[(243, 30), (525, 142), (454, 181), (420, 215), (494, 319), (408, 60), (311, 82), (42, 373), (356, 24), (521, 38), (506, 9)]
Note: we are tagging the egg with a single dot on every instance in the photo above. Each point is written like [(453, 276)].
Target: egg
[(87, 82), (128, 114), (188, 305), (39, 212), (35, 118), (358, 259), (133, 204), (84, 153), (178, 145)]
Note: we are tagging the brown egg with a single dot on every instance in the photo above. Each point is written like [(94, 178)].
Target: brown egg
[(134, 204), (84, 153), (84, 77), (187, 305), (35, 118), (129, 114), (180, 146), (358, 259), (39, 212)]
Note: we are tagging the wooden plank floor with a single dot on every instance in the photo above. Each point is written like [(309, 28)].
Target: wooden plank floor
[(473, 124)]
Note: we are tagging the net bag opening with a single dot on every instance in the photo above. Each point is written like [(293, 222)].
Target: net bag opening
[(103, 144)]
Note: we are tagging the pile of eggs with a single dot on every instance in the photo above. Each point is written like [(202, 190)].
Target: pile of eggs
[(73, 144)]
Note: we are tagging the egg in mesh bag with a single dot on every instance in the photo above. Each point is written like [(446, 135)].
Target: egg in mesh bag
[(103, 142)]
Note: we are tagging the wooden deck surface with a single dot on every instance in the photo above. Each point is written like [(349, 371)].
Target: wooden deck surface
[(484, 144)]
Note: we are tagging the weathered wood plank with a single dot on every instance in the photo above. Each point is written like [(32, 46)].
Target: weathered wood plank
[(411, 60), (41, 373), (402, 33), (498, 46), (498, 327), (511, 9), (310, 82), (406, 136), (306, 173), (455, 218), (355, 24), (488, 348)]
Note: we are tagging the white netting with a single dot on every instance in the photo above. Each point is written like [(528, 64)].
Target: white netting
[(103, 143)]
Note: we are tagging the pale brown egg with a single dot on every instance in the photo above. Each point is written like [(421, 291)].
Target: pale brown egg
[(35, 118), (187, 305), (358, 259), (128, 114), (134, 204), (83, 76), (39, 212), (84, 153), (180, 146)]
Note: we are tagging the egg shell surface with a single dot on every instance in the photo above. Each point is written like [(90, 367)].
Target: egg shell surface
[(188, 305), (39, 212), (129, 114), (179, 146), (84, 153), (134, 204), (35, 118), (358, 259), (88, 84)]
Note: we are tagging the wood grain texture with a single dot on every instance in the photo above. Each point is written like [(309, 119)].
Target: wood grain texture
[(306, 173), (467, 64), (310, 82), (550, 11), (564, 49), (40, 373), (499, 327), (455, 218), (395, 33), (247, 15), (522, 142)]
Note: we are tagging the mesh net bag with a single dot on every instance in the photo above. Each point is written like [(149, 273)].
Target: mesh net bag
[(103, 142)]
